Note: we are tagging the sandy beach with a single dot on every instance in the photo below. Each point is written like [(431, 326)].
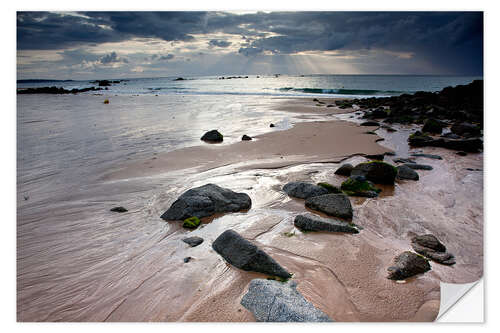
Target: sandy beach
[(129, 267)]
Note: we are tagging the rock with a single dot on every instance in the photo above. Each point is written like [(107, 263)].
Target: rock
[(241, 253), (370, 123), (377, 157), (337, 205), (330, 188), (312, 222), (465, 129), (304, 190), (179, 79), (193, 241), (344, 170), (106, 101), (388, 128), (435, 157), (187, 259), (451, 136), (408, 264), (191, 222), (461, 153), (403, 160), (416, 166), (206, 200), (404, 172), (418, 139), (54, 90), (429, 246), (358, 186), (432, 126), (272, 125), (246, 138), (212, 136), (274, 301), (119, 209), (376, 171), (390, 153)]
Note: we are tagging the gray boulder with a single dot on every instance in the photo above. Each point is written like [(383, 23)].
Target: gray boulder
[(212, 136), (429, 246), (241, 253), (344, 170), (405, 172), (206, 200), (193, 241), (337, 205), (310, 222), (304, 190), (408, 264), (416, 166), (273, 301), (376, 171)]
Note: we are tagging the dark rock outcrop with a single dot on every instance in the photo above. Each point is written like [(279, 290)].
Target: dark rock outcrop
[(433, 126), (404, 172), (408, 264), (416, 166), (429, 246), (344, 170), (465, 129), (212, 136), (370, 123), (55, 90), (310, 222), (471, 145), (241, 253), (206, 200), (376, 171), (274, 301), (246, 138), (303, 190), (337, 205), (193, 241)]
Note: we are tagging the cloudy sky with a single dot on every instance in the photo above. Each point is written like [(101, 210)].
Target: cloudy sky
[(88, 45)]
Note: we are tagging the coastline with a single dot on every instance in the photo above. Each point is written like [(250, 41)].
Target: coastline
[(350, 269)]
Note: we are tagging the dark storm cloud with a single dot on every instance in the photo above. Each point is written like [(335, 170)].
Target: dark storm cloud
[(219, 43), (452, 41)]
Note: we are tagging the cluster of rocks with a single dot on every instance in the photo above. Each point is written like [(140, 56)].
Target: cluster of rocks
[(471, 145), (55, 90), (106, 83), (233, 77)]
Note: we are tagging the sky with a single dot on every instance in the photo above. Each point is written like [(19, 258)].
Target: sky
[(100, 45)]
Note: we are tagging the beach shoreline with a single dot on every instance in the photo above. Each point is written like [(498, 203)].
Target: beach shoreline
[(350, 269)]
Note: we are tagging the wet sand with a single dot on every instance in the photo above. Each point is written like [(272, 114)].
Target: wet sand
[(133, 269)]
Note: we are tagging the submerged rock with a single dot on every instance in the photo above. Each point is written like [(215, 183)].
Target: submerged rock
[(429, 246), (408, 264), (337, 205), (310, 222), (416, 166), (274, 301), (193, 241), (360, 187), (304, 190), (435, 157), (212, 136), (241, 253), (404, 172), (246, 138), (344, 170), (376, 171), (206, 200), (119, 209)]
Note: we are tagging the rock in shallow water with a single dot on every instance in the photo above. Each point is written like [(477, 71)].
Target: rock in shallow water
[(416, 166), (405, 172), (358, 186), (376, 171), (212, 136), (344, 170), (304, 190), (119, 209), (408, 264), (246, 138), (337, 205), (273, 301), (206, 200), (193, 241), (241, 253), (435, 157), (429, 246), (310, 222)]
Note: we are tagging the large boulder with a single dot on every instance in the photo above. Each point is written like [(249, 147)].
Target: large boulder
[(304, 190), (433, 126), (206, 200), (274, 301), (241, 253), (408, 264), (212, 136), (344, 170), (465, 129), (429, 246), (310, 222), (376, 171), (405, 172), (358, 186), (337, 205)]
